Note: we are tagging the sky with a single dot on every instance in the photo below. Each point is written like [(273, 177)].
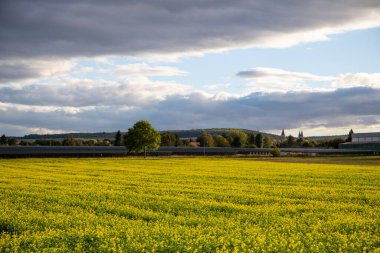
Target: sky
[(94, 66)]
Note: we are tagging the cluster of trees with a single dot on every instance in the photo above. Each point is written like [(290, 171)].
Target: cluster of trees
[(236, 138), (8, 141), (292, 142), (142, 136), (300, 142), (46, 142)]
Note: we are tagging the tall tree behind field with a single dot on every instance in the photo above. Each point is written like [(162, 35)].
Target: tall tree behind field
[(3, 140), (220, 141), (239, 138), (142, 137), (349, 138), (268, 142), (292, 141), (259, 140), (118, 139), (206, 140), (251, 139), (168, 139)]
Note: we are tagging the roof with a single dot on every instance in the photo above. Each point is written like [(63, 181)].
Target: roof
[(358, 135)]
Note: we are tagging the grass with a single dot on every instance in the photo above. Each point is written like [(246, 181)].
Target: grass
[(189, 205)]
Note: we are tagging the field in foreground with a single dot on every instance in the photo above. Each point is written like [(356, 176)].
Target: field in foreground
[(188, 204)]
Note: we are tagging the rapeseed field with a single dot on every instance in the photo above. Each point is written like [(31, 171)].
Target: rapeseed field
[(188, 205)]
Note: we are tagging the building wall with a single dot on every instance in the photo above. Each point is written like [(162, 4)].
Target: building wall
[(361, 146), (366, 139)]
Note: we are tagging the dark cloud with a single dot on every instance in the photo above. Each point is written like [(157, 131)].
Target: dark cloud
[(96, 27), (262, 111)]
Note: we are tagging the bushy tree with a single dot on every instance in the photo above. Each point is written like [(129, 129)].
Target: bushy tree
[(268, 142), (118, 139), (168, 139), (251, 139), (69, 142), (291, 141), (259, 140), (349, 138), (237, 142), (276, 152), (3, 140), (308, 143), (220, 141), (206, 140), (12, 141), (142, 137), (239, 138)]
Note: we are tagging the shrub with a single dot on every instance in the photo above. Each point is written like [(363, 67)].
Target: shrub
[(276, 152)]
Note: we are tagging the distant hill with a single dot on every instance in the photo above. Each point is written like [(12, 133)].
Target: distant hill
[(100, 136), (213, 131), (111, 135), (328, 137)]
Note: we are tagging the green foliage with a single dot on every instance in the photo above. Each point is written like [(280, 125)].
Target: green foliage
[(276, 152), (292, 142), (206, 140), (251, 139), (349, 138), (69, 142), (3, 140), (259, 140), (268, 142), (141, 137), (189, 205), (239, 138), (11, 141), (169, 139), (46, 143), (118, 139), (220, 141)]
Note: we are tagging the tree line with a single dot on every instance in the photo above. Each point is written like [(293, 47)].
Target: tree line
[(143, 136)]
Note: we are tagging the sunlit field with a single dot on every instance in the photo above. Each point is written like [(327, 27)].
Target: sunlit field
[(190, 205)]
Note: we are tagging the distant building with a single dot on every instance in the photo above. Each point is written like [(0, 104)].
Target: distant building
[(366, 137), (283, 134), (364, 141)]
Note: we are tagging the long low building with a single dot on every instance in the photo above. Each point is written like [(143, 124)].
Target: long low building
[(102, 151), (369, 141)]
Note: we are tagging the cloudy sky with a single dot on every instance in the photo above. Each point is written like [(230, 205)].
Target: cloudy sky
[(88, 66)]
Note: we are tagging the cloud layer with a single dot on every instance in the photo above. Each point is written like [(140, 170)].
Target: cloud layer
[(272, 79), (163, 27), (111, 107)]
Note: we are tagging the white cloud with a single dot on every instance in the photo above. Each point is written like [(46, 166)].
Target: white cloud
[(272, 79), (348, 107), (143, 69), (78, 92), (357, 79), (21, 71)]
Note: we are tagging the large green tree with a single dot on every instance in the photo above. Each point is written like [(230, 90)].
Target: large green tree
[(206, 140), (142, 137), (168, 139), (220, 141), (239, 138), (268, 142), (259, 140)]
